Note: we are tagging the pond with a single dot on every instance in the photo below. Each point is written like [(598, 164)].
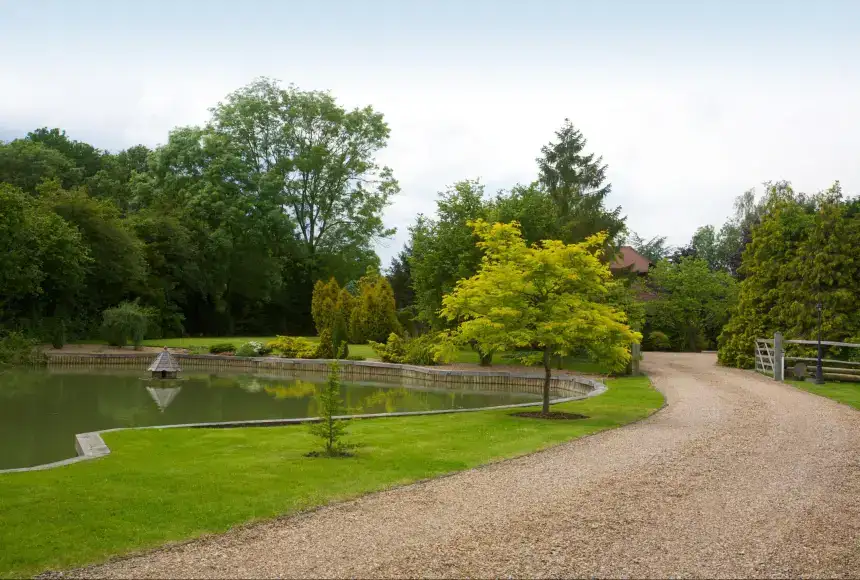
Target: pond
[(42, 410)]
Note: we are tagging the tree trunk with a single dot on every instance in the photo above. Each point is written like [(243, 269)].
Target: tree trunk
[(547, 367), (486, 358)]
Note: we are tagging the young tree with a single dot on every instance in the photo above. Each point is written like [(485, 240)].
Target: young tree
[(330, 429), (550, 297)]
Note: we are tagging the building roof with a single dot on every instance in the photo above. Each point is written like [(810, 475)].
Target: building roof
[(164, 362), (630, 259)]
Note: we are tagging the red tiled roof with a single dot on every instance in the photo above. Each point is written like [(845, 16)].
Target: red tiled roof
[(630, 258)]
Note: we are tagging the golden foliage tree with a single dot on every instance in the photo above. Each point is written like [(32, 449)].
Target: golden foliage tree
[(550, 298)]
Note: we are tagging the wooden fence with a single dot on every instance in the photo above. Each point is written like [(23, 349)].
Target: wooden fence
[(774, 357)]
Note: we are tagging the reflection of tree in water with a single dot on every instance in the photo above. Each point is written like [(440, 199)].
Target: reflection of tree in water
[(297, 390), (393, 400)]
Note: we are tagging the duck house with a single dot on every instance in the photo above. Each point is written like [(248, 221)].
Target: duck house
[(164, 366)]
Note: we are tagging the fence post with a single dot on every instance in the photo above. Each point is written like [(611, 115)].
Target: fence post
[(635, 356), (778, 363)]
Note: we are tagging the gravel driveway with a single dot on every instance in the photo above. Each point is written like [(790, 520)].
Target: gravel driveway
[(739, 476)]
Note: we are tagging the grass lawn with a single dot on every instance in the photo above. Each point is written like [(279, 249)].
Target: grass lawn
[(159, 486), (464, 356), (847, 393)]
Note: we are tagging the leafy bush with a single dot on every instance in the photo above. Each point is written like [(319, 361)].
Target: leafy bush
[(127, 322), (220, 347), (658, 340), (252, 348), (325, 349), (428, 349), (293, 347), (17, 349), (393, 351)]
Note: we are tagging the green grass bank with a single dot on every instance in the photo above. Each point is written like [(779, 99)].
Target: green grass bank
[(159, 486)]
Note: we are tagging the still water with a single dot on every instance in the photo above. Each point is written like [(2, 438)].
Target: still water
[(42, 410)]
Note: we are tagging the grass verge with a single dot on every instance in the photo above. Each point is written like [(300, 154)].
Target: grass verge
[(846, 393), (170, 485)]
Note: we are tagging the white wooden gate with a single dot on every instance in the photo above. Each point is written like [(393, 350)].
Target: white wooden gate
[(764, 356)]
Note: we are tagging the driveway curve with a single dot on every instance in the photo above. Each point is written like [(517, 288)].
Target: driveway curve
[(737, 477)]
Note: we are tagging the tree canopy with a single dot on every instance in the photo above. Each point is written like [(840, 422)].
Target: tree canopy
[(803, 251), (691, 302), (545, 299), (223, 229)]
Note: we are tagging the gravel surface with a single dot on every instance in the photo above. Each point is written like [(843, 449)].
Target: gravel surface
[(738, 477)]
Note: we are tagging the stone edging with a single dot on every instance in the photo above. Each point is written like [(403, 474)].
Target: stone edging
[(92, 446)]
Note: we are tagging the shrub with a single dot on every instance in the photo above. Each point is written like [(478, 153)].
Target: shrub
[(331, 308), (658, 340), (17, 349), (428, 349), (293, 347), (220, 347), (54, 330), (393, 350), (252, 348), (126, 322), (374, 315), (325, 349)]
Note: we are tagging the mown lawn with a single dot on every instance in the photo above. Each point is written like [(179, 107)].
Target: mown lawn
[(159, 486), (847, 393)]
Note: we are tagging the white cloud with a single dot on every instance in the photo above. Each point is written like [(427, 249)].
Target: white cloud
[(681, 142)]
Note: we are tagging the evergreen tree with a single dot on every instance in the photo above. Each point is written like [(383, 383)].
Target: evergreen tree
[(373, 316), (329, 428), (802, 252)]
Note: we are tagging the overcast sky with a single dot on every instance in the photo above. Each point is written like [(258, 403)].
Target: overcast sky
[(689, 102)]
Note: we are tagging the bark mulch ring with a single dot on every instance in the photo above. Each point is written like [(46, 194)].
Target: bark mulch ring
[(557, 415)]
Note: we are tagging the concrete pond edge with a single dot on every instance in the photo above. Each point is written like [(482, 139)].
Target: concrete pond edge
[(91, 445)]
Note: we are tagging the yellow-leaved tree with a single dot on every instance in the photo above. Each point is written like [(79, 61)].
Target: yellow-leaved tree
[(547, 299)]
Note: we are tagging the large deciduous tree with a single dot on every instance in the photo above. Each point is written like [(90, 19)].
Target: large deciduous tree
[(549, 297), (691, 302), (444, 249), (43, 263), (309, 155)]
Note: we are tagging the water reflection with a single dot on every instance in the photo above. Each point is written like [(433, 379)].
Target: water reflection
[(42, 410), (163, 396)]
